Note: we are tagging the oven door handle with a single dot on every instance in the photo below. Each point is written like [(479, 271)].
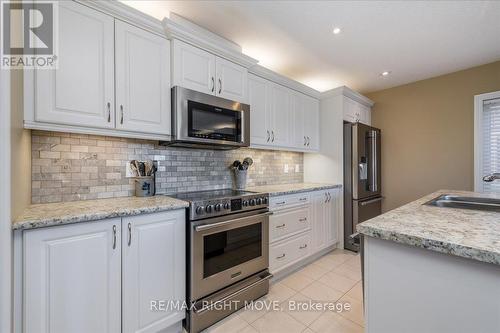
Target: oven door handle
[(242, 290), (204, 227)]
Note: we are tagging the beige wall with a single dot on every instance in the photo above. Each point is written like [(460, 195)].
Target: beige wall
[(428, 133), (20, 149)]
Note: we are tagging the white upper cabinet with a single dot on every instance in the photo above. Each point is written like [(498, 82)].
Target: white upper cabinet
[(232, 80), (199, 70), (311, 122), (72, 278), (154, 256), (355, 111), (280, 115), (81, 90), (142, 80), (297, 113), (193, 68), (258, 98)]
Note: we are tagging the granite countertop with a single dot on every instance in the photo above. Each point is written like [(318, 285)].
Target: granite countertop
[(45, 215), (283, 189), (465, 233)]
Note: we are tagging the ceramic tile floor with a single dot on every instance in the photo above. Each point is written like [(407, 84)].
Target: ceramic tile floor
[(335, 277)]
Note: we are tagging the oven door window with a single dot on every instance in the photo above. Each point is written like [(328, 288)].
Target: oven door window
[(230, 248), (210, 122)]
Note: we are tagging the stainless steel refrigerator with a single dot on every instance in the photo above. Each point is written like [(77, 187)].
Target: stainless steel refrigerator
[(362, 186)]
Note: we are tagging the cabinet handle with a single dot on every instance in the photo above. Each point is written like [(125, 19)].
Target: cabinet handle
[(109, 112), (303, 219), (114, 237), (330, 196), (268, 136), (281, 203), (121, 111), (305, 141), (213, 84), (220, 86), (326, 197), (272, 133), (303, 246), (308, 141), (280, 226), (302, 199), (281, 256), (129, 234)]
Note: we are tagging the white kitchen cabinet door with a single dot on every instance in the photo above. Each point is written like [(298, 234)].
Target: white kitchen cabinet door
[(81, 91), (232, 80), (319, 199), (153, 269), (311, 122), (193, 68), (332, 211), (365, 115), (258, 98), (299, 139), (72, 278), (280, 115), (142, 80), (351, 110)]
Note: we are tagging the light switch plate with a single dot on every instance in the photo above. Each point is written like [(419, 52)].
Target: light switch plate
[(128, 170), (297, 168), (286, 168)]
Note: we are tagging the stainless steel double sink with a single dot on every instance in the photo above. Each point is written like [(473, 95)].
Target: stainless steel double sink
[(463, 202)]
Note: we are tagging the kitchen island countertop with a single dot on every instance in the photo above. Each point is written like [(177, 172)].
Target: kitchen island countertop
[(465, 233), (50, 214)]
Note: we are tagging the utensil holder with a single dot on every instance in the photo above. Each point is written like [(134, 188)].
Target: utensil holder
[(145, 186), (240, 179)]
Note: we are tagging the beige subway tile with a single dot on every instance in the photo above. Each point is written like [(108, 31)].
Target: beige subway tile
[(70, 155), (80, 149), (89, 169), (41, 162), (50, 154), (104, 144), (70, 141), (88, 142), (60, 148), (105, 195), (96, 149), (113, 175), (97, 189), (114, 163)]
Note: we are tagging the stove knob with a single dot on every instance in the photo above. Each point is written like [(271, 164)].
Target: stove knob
[(245, 203), (259, 201), (252, 202), (227, 206), (209, 208), (218, 207), (199, 210), (264, 200)]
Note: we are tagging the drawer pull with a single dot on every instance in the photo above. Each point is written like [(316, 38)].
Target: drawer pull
[(281, 226), (281, 203), (303, 220), (302, 199), (281, 256), (303, 246)]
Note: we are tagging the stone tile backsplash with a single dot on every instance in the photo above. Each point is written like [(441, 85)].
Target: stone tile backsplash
[(71, 167)]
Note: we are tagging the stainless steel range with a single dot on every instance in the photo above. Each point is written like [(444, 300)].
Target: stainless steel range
[(228, 253)]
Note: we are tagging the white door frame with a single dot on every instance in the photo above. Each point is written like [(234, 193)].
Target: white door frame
[(5, 213), (478, 139)]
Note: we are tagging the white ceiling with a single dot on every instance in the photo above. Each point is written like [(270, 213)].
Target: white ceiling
[(412, 39)]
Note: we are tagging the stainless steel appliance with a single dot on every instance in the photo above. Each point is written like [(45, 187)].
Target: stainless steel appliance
[(205, 121), (362, 185), (228, 253)]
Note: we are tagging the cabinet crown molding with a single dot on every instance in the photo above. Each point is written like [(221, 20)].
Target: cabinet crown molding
[(283, 80), (207, 41), (127, 14), (348, 92)]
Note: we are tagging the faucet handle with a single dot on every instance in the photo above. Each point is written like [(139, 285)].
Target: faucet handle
[(491, 177)]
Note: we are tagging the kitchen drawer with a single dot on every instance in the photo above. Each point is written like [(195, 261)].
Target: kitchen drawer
[(289, 251), (286, 201), (288, 222)]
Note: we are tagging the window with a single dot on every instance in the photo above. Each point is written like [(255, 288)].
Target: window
[(487, 141)]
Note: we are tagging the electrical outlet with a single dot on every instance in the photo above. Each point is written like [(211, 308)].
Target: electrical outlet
[(286, 168), (297, 167)]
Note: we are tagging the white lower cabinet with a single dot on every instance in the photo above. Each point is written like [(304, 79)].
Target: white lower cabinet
[(103, 276), (72, 278), (303, 225)]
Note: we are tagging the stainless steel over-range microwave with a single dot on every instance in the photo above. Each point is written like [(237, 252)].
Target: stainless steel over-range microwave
[(205, 121)]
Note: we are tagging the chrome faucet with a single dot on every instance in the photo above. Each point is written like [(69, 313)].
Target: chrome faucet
[(491, 177)]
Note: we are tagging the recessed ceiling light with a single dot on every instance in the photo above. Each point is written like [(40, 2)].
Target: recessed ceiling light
[(386, 73), (336, 31)]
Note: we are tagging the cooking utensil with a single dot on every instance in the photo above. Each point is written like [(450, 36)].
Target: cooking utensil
[(236, 164), (133, 168), (142, 169), (148, 167)]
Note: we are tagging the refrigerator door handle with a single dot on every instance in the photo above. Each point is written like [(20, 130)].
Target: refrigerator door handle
[(374, 161), (364, 203)]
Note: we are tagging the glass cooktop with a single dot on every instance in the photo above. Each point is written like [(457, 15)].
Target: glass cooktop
[(210, 195)]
